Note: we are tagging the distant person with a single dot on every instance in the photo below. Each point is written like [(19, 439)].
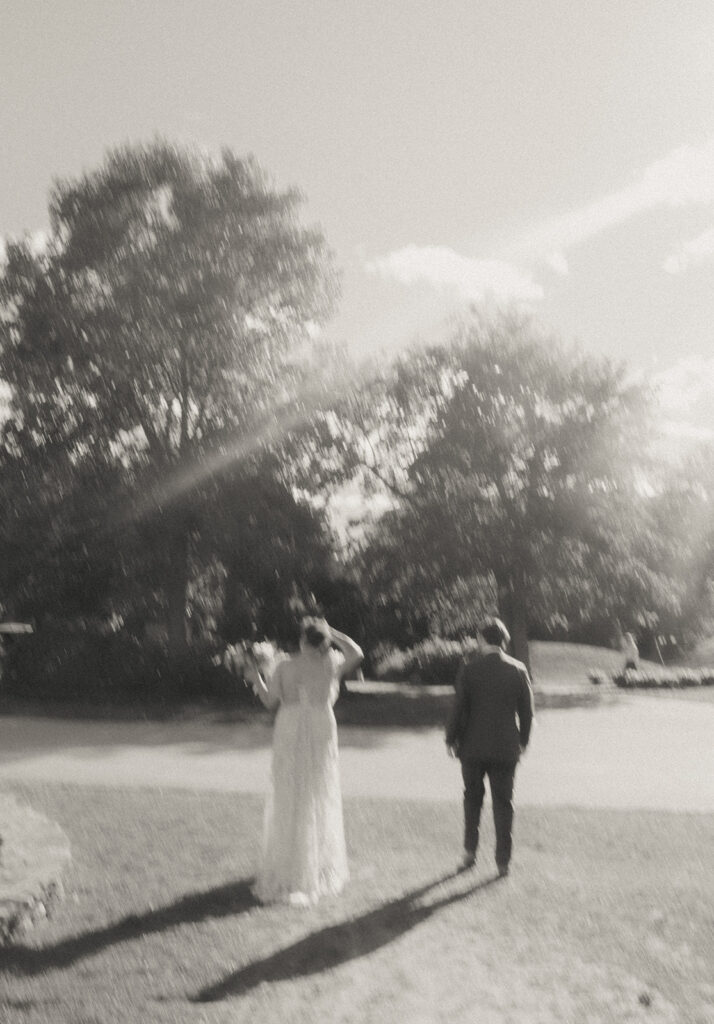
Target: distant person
[(631, 652), (304, 853), (488, 730)]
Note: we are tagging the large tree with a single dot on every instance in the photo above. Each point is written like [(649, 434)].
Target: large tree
[(516, 464), (160, 329), (683, 510)]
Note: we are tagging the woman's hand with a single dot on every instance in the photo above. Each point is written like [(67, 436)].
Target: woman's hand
[(252, 676), (268, 695)]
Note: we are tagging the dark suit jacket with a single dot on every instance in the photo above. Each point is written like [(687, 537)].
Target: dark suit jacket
[(493, 711)]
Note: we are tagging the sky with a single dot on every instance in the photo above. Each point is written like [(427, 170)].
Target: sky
[(557, 154)]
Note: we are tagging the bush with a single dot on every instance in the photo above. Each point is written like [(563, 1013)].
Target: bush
[(66, 662), (672, 679), (433, 661)]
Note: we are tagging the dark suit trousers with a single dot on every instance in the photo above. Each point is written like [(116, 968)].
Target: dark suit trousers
[(501, 775)]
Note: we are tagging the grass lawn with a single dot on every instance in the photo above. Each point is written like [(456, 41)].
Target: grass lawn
[(605, 918)]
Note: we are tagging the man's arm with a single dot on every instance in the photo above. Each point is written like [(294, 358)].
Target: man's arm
[(525, 709)]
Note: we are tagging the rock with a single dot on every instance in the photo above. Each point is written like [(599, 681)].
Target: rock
[(33, 854)]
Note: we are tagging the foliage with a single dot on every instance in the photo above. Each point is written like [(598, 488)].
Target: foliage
[(434, 661), (521, 469), (683, 516), (158, 335), (55, 557), (78, 661), (410, 597), (275, 548), (672, 678)]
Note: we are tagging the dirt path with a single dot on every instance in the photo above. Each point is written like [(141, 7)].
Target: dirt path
[(641, 752)]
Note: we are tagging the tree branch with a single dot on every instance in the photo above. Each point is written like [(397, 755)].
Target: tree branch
[(389, 484)]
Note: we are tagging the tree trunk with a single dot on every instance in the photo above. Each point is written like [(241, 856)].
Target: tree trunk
[(176, 588), (512, 608)]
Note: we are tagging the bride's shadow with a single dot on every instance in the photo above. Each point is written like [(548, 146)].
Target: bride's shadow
[(222, 901), (339, 943)]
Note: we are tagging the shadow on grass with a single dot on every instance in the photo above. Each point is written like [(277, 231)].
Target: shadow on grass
[(339, 943), (223, 901)]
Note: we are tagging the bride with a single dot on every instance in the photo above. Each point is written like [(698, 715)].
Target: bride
[(304, 854)]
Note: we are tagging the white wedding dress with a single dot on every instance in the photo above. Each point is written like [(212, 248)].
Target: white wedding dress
[(304, 854)]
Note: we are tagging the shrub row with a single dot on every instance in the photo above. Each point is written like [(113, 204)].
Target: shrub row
[(671, 679), (433, 662), (61, 664)]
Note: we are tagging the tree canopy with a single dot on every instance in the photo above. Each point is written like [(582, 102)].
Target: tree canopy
[(160, 440), (160, 328), (521, 476)]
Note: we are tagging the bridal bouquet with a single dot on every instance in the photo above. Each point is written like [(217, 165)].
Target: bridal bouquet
[(237, 656)]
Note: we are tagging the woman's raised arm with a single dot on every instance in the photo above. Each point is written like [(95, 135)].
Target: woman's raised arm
[(352, 652)]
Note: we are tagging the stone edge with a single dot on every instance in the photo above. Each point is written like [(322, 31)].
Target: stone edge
[(39, 851)]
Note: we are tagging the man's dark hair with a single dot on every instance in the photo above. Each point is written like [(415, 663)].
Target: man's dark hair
[(494, 632)]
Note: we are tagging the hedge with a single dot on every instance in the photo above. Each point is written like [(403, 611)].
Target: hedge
[(433, 661), (62, 664), (663, 679)]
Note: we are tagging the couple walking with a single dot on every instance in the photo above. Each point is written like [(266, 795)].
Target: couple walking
[(304, 852)]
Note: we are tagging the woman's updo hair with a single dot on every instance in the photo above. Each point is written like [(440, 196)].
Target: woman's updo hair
[(315, 632)]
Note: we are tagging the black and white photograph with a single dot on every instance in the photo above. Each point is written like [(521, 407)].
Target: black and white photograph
[(356, 512)]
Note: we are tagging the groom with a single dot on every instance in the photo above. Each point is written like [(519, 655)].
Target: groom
[(488, 730)]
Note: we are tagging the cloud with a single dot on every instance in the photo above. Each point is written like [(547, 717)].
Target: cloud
[(688, 254), (686, 396), (684, 177), (443, 268), (683, 431), (689, 380)]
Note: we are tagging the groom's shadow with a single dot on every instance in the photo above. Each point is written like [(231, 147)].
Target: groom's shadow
[(221, 901), (339, 943)]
